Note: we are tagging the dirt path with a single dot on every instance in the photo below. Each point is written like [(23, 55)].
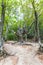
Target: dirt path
[(22, 55)]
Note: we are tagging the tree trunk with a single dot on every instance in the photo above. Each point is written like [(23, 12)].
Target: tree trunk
[(36, 23), (36, 26), (1, 25)]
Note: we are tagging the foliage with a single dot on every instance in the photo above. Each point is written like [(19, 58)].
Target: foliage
[(20, 13)]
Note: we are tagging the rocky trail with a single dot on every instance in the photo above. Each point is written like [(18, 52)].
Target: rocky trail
[(22, 55)]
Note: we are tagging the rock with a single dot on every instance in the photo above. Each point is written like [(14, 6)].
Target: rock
[(14, 49), (11, 42), (25, 54), (11, 60)]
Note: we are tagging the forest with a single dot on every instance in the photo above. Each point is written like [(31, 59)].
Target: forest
[(21, 29), (19, 14)]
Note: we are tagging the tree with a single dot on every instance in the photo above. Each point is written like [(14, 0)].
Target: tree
[(36, 23), (20, 12), (2, 24)]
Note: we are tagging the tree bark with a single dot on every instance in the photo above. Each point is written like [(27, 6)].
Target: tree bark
[(36, 24), (2, 24)]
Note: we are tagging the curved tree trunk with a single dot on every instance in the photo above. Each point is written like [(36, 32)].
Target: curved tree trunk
[(37, 35)]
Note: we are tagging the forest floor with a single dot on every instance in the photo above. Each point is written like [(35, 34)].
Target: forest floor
[(21, 54)]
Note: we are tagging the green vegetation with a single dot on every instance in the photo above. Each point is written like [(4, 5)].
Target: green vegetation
[(20, 13)]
